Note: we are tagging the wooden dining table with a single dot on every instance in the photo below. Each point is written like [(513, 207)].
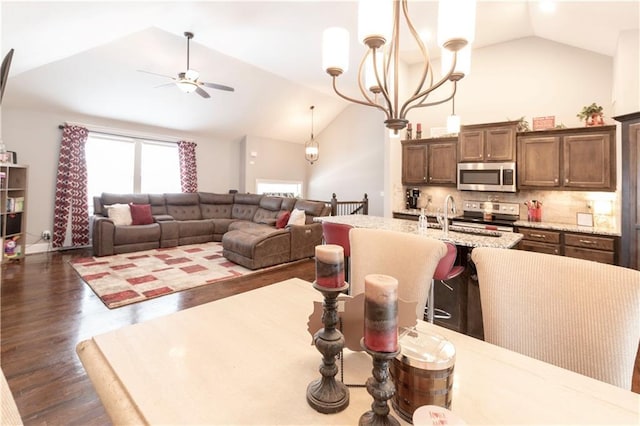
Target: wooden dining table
[(248, 358)]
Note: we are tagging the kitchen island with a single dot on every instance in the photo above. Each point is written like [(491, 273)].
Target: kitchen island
[(461, 297), (460, 236)]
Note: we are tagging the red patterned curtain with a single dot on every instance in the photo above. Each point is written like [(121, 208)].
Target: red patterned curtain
[(71, 189), (188, 172)]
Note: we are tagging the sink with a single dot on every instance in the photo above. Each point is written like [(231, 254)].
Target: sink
[(474, 231)]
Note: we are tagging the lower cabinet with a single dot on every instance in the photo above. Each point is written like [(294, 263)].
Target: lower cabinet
[(598, 248), (540, 241)]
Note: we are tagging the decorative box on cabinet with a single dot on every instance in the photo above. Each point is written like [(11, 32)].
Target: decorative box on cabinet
[(429, 161), (487, 142), (569, 159), (13, 195)]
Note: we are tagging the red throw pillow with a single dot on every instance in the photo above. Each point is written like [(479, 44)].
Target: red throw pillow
[(141, 214), (283, 219)]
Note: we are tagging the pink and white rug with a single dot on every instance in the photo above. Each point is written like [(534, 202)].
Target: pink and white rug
[(132, 277)]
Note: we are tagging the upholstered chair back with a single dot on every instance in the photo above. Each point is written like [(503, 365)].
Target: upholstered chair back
[(577, 314)]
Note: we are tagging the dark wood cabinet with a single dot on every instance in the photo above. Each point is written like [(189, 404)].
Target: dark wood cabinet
[(538, 161), (630, 191), (598, 248), (569, 159), (429, 162), (487, 142), (414, 164), (590, 247), (541, 241), (442, 162)]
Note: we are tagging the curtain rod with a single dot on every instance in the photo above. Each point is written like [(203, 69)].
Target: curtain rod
[(122, 132)]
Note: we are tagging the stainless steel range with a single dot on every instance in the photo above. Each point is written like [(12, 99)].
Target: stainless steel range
[(492, 215)]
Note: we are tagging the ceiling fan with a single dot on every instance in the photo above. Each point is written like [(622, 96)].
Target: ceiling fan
[(188, 81)]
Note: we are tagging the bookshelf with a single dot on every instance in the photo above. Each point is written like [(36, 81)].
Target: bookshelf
[(13, 210)]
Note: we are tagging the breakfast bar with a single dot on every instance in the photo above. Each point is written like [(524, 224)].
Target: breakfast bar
[(458, 235), (220, 363)]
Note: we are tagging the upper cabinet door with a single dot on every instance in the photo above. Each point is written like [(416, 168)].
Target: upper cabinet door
[(414, 164), (471, 146), (538, 161), (442, 163), (501, 144), (587, 161)]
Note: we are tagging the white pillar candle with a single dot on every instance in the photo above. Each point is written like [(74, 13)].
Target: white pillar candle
[(330, 265), (381, 313)]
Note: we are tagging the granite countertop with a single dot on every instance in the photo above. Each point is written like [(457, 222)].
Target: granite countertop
[(469, 237), (552, 226)]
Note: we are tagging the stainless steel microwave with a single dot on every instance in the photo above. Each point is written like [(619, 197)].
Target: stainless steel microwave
[(496, 177)]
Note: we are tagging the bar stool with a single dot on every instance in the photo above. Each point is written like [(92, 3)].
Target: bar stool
[(444, 271), (338, 233)]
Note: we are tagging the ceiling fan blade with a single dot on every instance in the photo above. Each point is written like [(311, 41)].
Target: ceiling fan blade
[(155, 73), (200, 91), (218, 86)]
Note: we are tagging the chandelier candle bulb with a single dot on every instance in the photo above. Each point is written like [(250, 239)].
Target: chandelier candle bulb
[(330, 266), (381, 313)]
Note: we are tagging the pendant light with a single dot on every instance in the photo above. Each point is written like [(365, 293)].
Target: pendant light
[(311, 148), (453, 121)]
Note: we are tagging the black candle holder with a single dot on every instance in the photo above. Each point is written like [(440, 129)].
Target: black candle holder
[(381, 388), (326, 395)]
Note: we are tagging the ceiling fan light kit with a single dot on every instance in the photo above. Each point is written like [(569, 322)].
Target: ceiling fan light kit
[(188, 81), (379, 31)]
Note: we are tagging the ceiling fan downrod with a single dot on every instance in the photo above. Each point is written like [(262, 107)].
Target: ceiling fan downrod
[(189, 36)]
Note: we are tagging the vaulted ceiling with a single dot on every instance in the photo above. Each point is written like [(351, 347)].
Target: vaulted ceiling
[(83, 57)]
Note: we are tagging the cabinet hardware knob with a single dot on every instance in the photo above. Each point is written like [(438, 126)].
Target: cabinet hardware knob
[(538, 236), (587, 242), (566, 180), (555, 180)]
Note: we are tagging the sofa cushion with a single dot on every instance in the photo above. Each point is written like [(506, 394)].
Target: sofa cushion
[(245, 206), (194, 228), (158, 205), (311, 208), (297, 217), (140, 214), (215, 206), (136, 234), (183, 206), (120, 214), (288, 203), (110, 198), (283, 219)]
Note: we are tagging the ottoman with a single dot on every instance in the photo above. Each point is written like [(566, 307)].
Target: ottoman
[(257, 246)]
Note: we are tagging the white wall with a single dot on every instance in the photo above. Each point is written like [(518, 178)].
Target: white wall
[(528, 77), (626, 90), (35, 137), (264, 158), (351, 159)]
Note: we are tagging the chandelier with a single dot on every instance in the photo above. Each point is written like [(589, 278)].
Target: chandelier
[(379, 31), (311, 148)]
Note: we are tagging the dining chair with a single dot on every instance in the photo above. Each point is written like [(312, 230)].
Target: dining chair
[(338, 233), (411, 259), (577, 314)]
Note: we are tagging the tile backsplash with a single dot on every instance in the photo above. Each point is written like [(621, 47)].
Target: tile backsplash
[(557, 206)]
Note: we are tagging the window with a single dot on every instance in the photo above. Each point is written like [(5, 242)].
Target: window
[(126, 165), (283, 188)]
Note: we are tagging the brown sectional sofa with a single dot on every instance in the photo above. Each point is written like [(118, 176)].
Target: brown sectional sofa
[(245, 223)]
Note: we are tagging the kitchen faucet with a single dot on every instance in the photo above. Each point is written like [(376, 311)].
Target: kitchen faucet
[(445, 225)]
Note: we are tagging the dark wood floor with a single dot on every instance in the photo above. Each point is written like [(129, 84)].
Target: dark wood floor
[(46, 310)]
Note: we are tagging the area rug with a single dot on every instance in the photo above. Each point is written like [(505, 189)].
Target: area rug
[(133, 277)]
